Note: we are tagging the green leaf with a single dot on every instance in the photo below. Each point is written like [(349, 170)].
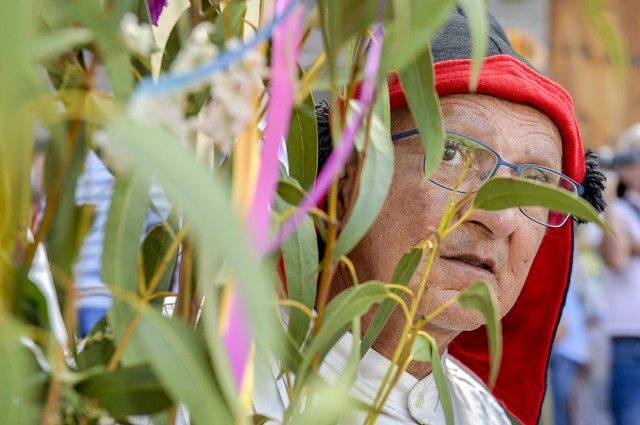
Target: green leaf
[(343, 308), (180, 363), (419, 87), (126, 391), (290, 191), (207, 207), (62, 240), (476, 13), (14, 393), (480, 296), (30, 304), (98, 346), (122, 232), (154, 248), (401, 275), (425, 349), (230, 23), (106, 28), (342, 19), (53, 44), (508, 192), (331, 400), (300, 255), (302, 143), (426, 19), (377, 174)]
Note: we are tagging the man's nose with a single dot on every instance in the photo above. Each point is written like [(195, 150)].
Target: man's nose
[(497, 224)]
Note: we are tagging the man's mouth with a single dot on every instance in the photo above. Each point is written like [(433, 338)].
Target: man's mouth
[(472, 260)]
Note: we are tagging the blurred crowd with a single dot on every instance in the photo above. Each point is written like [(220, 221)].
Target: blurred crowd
[(594, 371)]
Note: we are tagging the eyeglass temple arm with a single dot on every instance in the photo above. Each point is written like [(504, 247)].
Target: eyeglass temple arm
[(408, 133)]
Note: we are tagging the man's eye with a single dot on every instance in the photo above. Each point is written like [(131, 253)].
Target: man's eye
[(449, 153), (454, 152)]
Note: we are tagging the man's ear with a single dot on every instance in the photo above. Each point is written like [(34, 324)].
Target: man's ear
[(346, 187)]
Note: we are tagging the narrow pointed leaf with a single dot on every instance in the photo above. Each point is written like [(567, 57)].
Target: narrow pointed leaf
[(418, 82), (504, 192), (426, 19), (208, 210), (54, 44), (154, 248), (122, 232), (350, 303), (476, 12), (300, 254), (290, 191), (126, 391), (377, 174), (331, 400), (401, 275), (480, 296), (180, 363), (14, 393), (425, 349), (302, 143)]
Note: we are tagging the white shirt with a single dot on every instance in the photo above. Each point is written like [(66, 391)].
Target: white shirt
[(411, 400)]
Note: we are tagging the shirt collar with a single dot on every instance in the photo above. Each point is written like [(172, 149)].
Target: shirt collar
[(410, 397)]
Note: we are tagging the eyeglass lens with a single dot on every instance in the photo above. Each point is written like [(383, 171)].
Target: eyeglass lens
[(480, 161)]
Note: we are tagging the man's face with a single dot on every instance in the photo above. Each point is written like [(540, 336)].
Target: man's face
[(498, 247)]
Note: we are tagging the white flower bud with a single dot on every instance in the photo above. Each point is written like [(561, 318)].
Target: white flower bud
[(137, 37), (160, 110)]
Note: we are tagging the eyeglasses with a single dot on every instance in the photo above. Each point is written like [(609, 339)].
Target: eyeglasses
[(483, 162)]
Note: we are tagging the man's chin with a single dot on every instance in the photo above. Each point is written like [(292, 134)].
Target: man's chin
[(455, 317)]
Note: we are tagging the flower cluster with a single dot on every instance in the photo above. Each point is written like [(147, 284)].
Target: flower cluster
[(232, 93), (232, 103), (137, 36)]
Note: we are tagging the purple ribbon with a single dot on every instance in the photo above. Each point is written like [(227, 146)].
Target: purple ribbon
[(340, 154), (155, 9)]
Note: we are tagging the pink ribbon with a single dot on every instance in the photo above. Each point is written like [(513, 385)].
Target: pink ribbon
[(340, 154), (285, 47)]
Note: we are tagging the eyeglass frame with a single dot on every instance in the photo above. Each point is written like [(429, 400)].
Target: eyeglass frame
[(501, 161)]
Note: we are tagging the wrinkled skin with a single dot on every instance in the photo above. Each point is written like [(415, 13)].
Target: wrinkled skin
[(508, 239)]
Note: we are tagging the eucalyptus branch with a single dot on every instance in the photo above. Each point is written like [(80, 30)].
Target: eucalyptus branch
[(298, 305), (404, 336), (145, 298), (311, 75), (185, 287), (352, 270), (399, 287), (402, 305), (53, 197), (326, 275)]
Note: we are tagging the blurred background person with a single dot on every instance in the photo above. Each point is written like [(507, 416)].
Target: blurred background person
[(620, 250), (570, 351)]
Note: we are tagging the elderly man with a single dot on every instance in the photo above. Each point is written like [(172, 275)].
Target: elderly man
[(517, 123)]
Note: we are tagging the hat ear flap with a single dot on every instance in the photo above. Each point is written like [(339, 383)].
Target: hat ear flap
[(593, 183)]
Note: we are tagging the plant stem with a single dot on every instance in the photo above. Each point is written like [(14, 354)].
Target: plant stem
[(146, 296), (385, 387), (185, 287), (327, 261)]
